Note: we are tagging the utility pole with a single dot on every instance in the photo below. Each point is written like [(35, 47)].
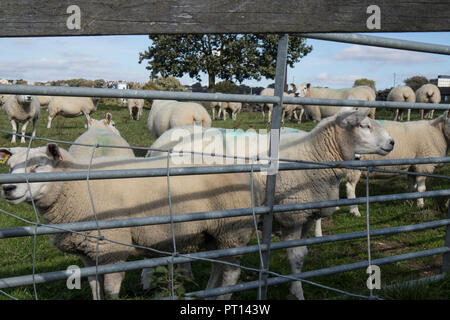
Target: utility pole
[(394, 79)]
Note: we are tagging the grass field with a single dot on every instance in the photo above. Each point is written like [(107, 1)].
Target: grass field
[(16, 254)]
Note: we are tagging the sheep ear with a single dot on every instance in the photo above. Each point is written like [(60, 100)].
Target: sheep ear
[(354, 118), (308, 85), (54, 152), (4, 155), (109, 117), (440, 119), (292, 85)]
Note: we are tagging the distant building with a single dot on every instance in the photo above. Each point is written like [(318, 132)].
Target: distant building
[(443, 83)]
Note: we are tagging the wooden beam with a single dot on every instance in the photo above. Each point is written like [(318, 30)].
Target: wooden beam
[(116, 17)]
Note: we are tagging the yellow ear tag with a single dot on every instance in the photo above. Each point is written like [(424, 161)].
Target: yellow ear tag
[(105, 121), (5, 159)]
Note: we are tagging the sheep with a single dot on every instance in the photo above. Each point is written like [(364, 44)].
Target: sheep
[(69, 107), (336, 138), (401, 94), (22, 108), (428, 93), (68, 201), (44, 100), (135, 107), (3, 99), (166, 114), (414, 139), (101, 132), (317, 113), (235, 108), (299, 91)]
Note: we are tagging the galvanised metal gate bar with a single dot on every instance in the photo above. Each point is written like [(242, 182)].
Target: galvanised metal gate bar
[(42, 229), (277, 100), (181, 171), (148, 94)]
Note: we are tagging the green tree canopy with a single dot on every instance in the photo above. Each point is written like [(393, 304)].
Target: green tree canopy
[(225, 56), (416, 82), (365, 82)]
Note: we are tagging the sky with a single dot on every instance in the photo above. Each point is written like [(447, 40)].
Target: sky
[(330, 64)]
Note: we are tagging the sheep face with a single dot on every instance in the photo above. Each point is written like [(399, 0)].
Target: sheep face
[(24, 99), (43, 159), (301, 90), (367, 135), (105, 124)]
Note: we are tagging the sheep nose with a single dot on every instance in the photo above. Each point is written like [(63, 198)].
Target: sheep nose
[(392, 142), (8, 188), (296, 94)]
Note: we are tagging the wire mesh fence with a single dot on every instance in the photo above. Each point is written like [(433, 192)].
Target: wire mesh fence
[(264, 245)]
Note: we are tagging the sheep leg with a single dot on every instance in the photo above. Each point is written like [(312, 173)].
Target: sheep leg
[(223, 275), (33, 133), (49, 123), (421, 114), (297, 255), (282, 116), (14, 130), (213, 111), (318, 229), (421, 187), (350, 187), (269, 115), (302, 111), (23, 131), (112, 284), (409, 114), (396, 114), (96, 286)]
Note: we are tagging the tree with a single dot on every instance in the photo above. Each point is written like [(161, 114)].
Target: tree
[(416, 82), (224, 56), (365, 82), (226, 86), (169, 84)]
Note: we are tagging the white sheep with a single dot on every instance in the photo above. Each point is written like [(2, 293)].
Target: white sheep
[(401, 94), (166, 114), (299, 90), (317, 113), (336, 138), (428, 93), (22, 109), (414, 139), (44, 100), (101, 132), (68, 201), (135, 107), (3, 99), (235, 108), (69, 107)]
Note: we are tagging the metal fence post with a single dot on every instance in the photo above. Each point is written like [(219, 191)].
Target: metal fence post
[(274, 154), (446, 257)]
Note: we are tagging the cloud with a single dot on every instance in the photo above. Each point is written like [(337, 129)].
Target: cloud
[(384, 55), (67, 67), (326, 80)]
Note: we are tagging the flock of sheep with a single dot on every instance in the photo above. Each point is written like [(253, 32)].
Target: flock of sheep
[(341, 134)]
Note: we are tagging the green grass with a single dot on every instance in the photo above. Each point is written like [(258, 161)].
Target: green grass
[(16, 254)]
